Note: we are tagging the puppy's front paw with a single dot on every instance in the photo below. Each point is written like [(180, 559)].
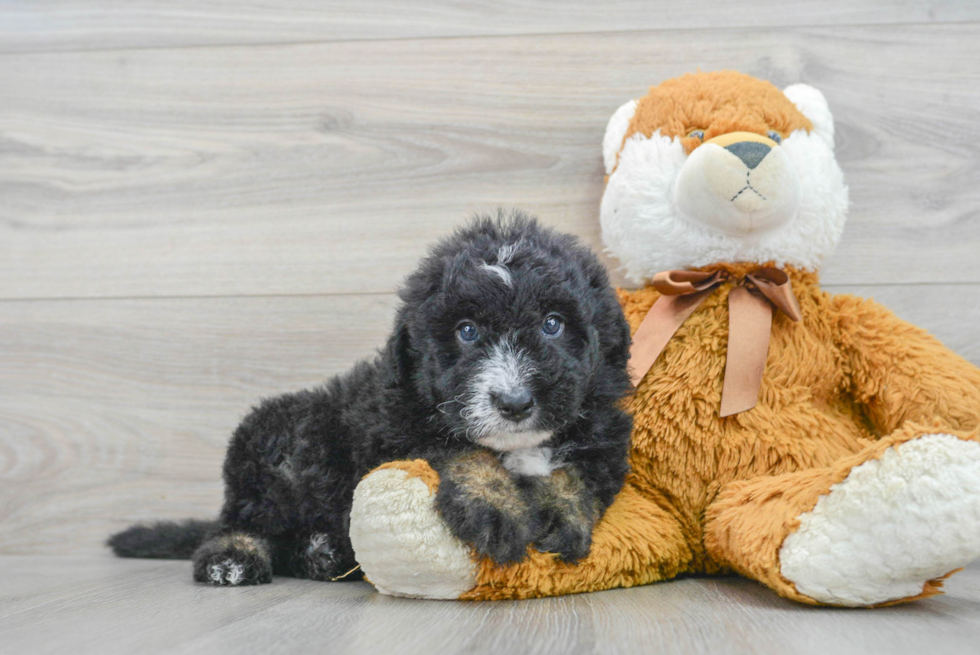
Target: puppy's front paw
[(483, 506), (569, 536), (500, 535), (565, 515)]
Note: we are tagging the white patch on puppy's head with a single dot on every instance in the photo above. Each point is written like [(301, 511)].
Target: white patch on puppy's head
[(737, 197), (499, 268)]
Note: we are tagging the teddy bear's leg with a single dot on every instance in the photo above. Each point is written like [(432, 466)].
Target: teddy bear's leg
[(405, 549), (883, 526)]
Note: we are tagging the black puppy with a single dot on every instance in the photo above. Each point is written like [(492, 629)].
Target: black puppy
[(504, 371)]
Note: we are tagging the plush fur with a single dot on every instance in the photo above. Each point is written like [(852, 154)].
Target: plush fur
[(293, 463), (854, 480)]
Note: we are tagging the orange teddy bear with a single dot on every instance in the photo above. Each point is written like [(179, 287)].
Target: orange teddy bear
[(814, 443)]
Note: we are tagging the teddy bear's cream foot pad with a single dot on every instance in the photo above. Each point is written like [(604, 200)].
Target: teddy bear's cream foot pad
[(892, 525), (402, 544)]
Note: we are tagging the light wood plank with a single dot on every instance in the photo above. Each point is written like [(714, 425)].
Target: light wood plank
[(27, 26), (107, 605), (329, 168), (101, 605), (115, 411), (118, 411)]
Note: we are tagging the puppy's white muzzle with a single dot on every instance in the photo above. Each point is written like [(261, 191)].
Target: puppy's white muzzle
[(738, 183), (506, 370)]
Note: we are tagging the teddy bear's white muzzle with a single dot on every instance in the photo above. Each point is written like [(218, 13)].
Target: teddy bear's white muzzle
[(739, 187)]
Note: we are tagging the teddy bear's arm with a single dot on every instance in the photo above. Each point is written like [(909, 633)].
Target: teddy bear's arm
[(898, 372)]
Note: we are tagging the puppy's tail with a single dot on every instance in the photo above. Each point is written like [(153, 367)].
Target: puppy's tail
[(162, 540)]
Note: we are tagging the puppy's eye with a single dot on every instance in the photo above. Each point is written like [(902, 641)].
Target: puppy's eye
[(697, 134), (467, 332), (552, 326), (775, 136)]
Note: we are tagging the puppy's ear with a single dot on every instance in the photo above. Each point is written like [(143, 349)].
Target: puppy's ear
[(399, 353), (607, 316), (615, 329)]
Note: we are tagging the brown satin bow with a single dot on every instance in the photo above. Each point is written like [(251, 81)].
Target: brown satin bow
[(750, 305)]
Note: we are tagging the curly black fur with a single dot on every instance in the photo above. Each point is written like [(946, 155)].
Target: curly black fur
[(294, 461)]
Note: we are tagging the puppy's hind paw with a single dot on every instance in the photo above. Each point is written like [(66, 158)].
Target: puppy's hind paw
[(226, 572), (233, 560)]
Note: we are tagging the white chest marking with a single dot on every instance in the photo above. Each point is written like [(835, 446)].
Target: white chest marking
[(529, 461), (510, 441)]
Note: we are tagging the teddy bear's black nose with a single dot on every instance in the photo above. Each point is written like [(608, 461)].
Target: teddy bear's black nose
[(514, 405), (750, 152)]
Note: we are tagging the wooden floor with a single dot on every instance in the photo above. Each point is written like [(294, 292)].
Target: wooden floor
[(105, 606), (203, 202)]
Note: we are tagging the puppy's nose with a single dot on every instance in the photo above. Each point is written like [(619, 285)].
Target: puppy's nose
[(750, 152), (514, 405)]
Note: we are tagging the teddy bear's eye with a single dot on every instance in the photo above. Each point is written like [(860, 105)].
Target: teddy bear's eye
[(775, 136), (697, 134)]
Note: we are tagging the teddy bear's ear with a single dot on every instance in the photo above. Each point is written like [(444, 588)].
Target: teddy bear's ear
[(615, 131), (814, 106)]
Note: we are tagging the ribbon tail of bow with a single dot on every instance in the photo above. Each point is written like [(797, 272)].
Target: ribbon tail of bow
[(749, 331), (749, 328)]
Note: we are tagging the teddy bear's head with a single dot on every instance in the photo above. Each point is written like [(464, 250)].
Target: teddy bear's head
[(721, 167)]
